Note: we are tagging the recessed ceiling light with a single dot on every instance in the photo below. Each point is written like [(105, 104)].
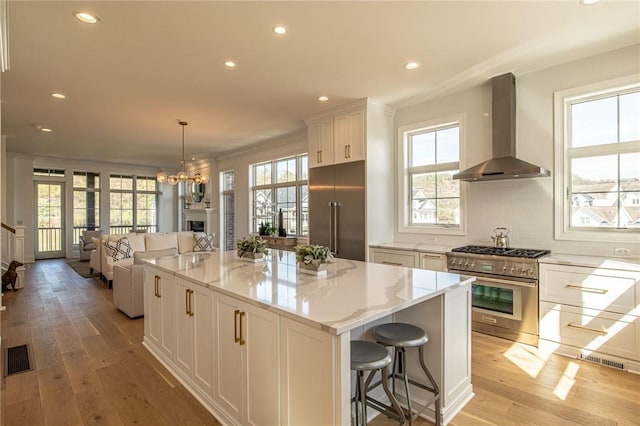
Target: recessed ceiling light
[(87, 18), (323, 98), (45, 129), (58, 96), (411, 65), (588, 2), (229, 64), (279, 29)]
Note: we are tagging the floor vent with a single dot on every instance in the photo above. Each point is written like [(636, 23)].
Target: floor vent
[(17, 360), (603, 361)]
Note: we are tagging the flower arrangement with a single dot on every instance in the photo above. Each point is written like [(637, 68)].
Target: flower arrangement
[(251, 244), (313, 255)]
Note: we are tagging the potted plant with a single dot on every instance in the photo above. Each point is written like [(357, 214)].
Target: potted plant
[(313, 259), (251, 247), (263, 229)]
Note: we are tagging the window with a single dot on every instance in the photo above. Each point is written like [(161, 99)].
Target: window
[(86, 203), (133, 204), (281, 185), (430, 199), (597, 147), (228, 186)]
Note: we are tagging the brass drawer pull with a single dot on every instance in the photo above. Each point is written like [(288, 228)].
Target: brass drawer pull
[(236, 339), (385, 262), (588, 329), (242, 341), (157, 286), (588, 289)]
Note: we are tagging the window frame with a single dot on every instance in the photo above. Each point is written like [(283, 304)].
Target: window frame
[(77, 230), (274, 185), (134, 193), (563, 100), (404, 200)]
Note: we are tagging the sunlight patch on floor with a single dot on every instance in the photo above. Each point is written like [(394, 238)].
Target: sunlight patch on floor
[(527, 358), (567, 380)]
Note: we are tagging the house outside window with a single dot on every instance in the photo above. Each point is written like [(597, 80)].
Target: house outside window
[(133, 204), (281, 185), (430, 200), (86, 203), (597, 158)]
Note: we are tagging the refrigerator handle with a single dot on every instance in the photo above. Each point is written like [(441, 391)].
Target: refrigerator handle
[(335, 226), (330, 225)]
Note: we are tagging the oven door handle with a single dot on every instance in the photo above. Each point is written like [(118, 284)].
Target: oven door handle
[(500, 281)]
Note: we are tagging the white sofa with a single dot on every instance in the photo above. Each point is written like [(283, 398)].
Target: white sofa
[(126, 275)]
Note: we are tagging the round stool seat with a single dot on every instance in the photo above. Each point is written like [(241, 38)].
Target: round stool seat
[(368, 355), (400, 334)]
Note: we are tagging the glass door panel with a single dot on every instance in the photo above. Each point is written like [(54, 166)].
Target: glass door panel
[(50, 220)]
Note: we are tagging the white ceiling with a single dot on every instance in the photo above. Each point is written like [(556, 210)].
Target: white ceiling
[(148, 64)]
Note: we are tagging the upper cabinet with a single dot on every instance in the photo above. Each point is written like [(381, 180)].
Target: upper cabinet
[(337, 137)]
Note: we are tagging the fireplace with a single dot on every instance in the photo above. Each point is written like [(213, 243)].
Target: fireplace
[(197, 220), (195, 225)]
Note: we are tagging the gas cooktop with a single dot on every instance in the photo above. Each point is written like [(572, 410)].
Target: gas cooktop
[(501, 251)]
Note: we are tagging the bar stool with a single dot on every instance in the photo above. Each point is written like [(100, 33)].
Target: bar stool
[(402, 336), (370, 356)]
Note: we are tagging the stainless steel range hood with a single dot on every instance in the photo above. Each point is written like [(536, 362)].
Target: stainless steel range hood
[(504, 164)]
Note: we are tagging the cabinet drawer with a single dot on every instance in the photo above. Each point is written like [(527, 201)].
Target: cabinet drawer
[(596, 288), (406, 258), (433, 261), (608, 333)]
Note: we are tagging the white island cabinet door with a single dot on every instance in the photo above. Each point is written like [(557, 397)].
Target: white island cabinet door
[(194, 348), (159, 302), (262, 375), (228, 356)]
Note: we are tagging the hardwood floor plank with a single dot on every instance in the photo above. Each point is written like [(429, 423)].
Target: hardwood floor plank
[(56, 396)]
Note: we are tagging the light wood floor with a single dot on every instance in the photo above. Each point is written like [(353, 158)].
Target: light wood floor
[(90, 368)]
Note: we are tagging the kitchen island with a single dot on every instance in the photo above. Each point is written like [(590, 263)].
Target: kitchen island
[(263, 343)]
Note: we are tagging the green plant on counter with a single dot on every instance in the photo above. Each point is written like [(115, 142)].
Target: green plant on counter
[(251, 244), (313, 254)]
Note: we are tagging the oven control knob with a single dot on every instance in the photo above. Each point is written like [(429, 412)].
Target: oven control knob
[(530, 272)]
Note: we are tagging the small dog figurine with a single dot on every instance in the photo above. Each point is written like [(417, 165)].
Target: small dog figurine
[(10, 277)]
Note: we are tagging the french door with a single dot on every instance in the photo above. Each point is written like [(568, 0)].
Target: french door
[(50, 229)]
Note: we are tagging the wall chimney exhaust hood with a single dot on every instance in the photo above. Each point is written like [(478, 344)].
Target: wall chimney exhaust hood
[(504, 164)]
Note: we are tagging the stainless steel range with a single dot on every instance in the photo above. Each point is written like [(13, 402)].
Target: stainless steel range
[(505, 293)]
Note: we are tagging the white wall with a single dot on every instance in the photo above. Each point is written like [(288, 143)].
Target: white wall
[(20, 189), (239, 163), (524, 206)]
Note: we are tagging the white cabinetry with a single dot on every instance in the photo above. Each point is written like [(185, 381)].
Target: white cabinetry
[(194, 337), (159, 311), (247, 359), (320, 134), (591, 312), (409, 258), (336, 139)]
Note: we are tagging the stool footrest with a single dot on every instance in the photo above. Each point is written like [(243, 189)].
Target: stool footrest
[(387, 410)]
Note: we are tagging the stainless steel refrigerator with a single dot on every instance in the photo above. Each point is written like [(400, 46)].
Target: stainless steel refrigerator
[(337, 209)]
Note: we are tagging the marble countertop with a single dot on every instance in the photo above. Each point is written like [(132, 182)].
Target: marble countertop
[(422, 248), (352, 293), (620, 263)]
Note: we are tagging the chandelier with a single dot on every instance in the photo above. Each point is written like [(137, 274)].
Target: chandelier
[(182, 175)]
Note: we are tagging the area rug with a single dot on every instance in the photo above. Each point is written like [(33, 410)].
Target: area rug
[(81, 268)]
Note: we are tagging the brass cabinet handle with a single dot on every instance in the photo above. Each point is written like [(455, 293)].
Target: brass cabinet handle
[(157, 279), (588, 329), (236, 339), (242, 341), (588, 289), (320, 156), (349, 151), (345, 152), (187, 302), (385, 262), (191, 303)]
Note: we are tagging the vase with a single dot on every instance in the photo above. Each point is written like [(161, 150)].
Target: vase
[(252, 257), (311, 269)]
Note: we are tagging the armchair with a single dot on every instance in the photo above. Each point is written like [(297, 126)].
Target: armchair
[(86, 245)]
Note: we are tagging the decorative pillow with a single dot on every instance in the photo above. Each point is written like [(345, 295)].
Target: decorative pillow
[(186, 242), (118, 250), (160, 241), (204, 242)]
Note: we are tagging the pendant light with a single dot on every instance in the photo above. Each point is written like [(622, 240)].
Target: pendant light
[(182, 175)]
